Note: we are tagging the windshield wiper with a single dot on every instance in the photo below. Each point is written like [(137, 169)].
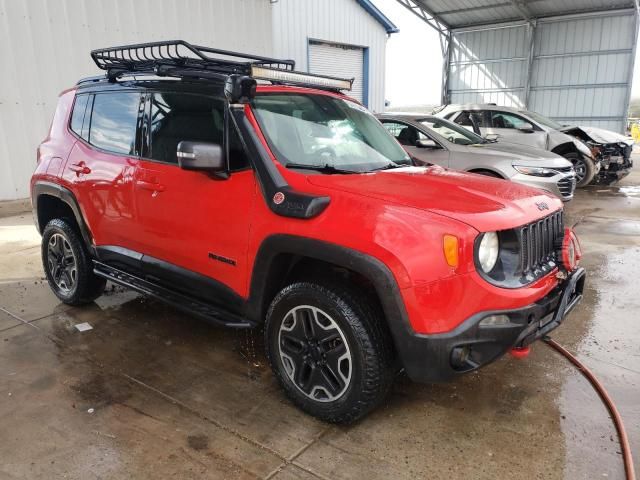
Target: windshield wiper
[(326, 168), (388, 166)]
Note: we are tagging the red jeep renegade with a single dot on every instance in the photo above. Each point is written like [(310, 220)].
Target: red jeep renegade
[(286, 205)]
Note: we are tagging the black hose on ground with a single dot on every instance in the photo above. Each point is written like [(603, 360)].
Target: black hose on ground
[(606, 399)]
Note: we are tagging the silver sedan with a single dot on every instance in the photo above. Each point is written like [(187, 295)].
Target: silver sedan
[(437, 141)]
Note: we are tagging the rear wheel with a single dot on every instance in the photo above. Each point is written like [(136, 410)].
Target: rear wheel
[(67, 264), (328, 350), (584, 167)]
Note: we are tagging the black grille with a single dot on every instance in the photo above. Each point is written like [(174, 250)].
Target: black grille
[(539, 242), (564, 169), (566, 186)]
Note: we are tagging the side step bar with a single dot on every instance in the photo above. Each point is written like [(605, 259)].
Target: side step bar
[(182, 302)]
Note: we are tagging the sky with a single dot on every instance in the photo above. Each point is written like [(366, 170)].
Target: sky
[(414, 60)]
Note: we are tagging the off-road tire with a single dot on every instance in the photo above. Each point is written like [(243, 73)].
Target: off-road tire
[(368, 339), (579, 162), (86, 286)]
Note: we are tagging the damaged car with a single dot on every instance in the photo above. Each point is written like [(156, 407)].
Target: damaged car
[(612, 149), (522, 127)]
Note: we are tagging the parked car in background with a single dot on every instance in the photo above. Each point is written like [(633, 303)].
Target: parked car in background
[(526, 128), (434, 140)]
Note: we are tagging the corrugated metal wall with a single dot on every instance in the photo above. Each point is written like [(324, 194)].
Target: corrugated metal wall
[(580, 67), (44, 47), (338, 21), (581, 70)]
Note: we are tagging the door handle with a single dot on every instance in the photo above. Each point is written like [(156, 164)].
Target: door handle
[(80, 168), (154, 187)]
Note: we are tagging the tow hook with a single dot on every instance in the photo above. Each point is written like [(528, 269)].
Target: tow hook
[(520, 352)]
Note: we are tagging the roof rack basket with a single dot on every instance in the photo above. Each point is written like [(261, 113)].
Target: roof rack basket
[(181, 59)]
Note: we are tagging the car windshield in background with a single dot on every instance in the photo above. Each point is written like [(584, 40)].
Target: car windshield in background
[(547, 122), (326, 133), (452, 132)]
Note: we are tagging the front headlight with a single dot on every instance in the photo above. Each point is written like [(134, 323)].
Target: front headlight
[(582, 148), (488, 251), (535, 171)]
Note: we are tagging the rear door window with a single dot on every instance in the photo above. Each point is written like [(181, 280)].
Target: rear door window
[(469, 118), (507, 120), (405, 134), (114, 122)]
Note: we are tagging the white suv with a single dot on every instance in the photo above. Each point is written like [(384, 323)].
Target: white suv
[(525, 128)]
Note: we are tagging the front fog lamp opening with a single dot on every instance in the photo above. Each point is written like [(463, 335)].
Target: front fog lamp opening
[(488, 251), (495, 321)]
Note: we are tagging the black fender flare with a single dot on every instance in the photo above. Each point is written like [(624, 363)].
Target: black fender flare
[(374, 270), (51, 189), (567, 147)]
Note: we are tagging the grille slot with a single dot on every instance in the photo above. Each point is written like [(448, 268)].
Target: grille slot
[(566, 186), (539, 241)]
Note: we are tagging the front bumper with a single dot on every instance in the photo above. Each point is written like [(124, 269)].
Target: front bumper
[(439, 357), (614, 169)]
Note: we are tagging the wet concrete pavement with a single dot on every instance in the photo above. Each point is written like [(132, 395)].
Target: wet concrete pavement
[(152, 393)]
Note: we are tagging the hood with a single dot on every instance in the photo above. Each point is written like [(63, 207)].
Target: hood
[(521, 154), (599, 135), (482, 202)]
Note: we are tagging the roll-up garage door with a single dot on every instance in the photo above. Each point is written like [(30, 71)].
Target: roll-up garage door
[(337, 60)]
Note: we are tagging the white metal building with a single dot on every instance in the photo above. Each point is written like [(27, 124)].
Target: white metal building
[(571, 60), (45, 44)]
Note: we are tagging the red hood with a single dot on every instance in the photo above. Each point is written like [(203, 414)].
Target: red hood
[(483, 202)]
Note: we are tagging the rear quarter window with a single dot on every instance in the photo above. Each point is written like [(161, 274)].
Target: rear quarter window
[(78, 115)]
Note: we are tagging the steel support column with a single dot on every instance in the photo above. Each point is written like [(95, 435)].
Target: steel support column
[(446, 65), (531, 37), (627, 102)]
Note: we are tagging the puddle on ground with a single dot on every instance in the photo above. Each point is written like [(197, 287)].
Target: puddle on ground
[(630, 190)]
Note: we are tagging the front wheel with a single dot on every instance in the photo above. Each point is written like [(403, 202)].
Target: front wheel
[(584, 167), (329, 351)]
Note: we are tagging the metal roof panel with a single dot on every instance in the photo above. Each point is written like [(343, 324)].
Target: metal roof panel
[(469, 13)]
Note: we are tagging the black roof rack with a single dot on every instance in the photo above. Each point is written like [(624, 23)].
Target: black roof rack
[(145, 57), (178, 58)]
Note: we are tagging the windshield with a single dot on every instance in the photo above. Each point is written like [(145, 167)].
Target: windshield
[(547, 122), (320, 130), (452, 132)]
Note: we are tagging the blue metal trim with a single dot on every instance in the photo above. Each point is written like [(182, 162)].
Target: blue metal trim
[(378, 15), (365, 77)]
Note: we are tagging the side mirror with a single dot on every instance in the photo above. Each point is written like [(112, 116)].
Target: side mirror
[(491, 137), (427, 144), (206, 157), (526, 128)]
